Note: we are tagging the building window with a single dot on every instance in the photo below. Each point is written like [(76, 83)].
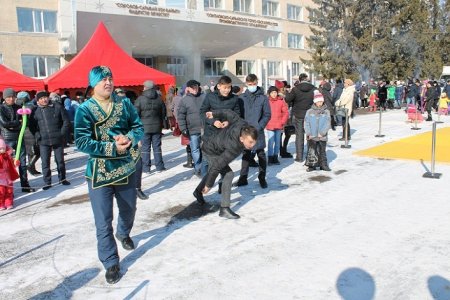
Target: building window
[(270, 8), (35, 20), (296, 70), (213, 4), (39, 66), (242, 5), (295, 41), (294, 12), (214, 67), (273, 41), (176, 3), (176, 66), (273, 69), (146, 60), (244, 67)]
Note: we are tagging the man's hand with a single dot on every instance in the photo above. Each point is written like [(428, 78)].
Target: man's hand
[(218, 124), (225, 124), (206, 190), (209, 115), (122, 143)]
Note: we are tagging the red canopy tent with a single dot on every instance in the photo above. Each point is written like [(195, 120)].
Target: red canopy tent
[(103, 50), (17, 81)]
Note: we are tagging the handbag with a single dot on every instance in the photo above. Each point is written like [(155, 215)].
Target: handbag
[(176, 130), (312, 158), (341, 111)]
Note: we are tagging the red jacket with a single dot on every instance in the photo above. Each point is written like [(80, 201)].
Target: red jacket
[(280, 113)]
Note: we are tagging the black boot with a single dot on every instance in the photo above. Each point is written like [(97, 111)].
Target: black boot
[(252, 163), (113, 274), (199, 197), (188, 164), (284, 153), (219, 190), (27, 189), (226, 212), (429, 118), (242, 180), (127, 242), (323, 161), (270, 160), (262, 180), (32, 166), (310, 169), (275, 160)]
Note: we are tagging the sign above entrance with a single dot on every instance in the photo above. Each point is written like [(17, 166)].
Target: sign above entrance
[(144, 10), (242, 21)]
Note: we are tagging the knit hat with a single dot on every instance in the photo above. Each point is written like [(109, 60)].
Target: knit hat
[(279, 84), (317, 96), (272, 89), (41, 94), (23, 95), (8, 92), (97, 74), (148, 84), (2, 145), (192, 83)]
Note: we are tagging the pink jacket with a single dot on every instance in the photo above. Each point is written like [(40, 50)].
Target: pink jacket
[(280, 113)]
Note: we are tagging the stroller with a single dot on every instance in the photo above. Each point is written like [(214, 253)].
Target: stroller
[(413, 113)]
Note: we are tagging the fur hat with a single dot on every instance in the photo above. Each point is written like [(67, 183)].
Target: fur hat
[(41, 94), (8, 92), (318, 96), (148, 84)]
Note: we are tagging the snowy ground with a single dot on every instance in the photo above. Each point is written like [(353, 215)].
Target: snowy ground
[(370, 229)]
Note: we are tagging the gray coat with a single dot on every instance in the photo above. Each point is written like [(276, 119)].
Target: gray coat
[(189, 113), (255, 109)]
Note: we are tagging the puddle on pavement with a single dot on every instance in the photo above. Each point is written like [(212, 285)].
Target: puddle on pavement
[(72, 200), (339, 172), (320, 178)]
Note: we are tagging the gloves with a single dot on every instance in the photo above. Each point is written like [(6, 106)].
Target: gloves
[(185, 133)]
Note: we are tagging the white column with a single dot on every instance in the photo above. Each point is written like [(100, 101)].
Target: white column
[(258, 69), (284, 65), (264, 74), (195, 60), (289, 72)]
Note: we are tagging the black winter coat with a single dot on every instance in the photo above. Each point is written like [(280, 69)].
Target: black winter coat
[(328, 99), (338, 89), (382, 93), (255, 109), (212, 102), (301, 98), (223, 147), (189, 113), (10, 121), (152, 111), (49, 124)]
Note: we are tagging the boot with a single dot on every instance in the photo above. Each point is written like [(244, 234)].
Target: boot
[(141, 195), (113, 274), (188, 164), (242, 180), (226, 212), (262, 180), (323, 156), (429, 118), (32, 166), (219, 190), (199, 197), (284, 153), (270, 160), (310, 169), (275, 160), (252, 163)]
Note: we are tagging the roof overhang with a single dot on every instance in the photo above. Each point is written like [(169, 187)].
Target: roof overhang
[(211, 34)]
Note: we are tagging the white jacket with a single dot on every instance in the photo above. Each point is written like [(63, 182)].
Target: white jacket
[(346, 99)]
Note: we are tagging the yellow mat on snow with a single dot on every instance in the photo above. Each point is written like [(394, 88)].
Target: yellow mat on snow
[(416, 147)]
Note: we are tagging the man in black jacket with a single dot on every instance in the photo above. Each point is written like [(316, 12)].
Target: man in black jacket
[(49, 123), (221, 149), (11, 123), (300, 98), (190, 122), (152, 111)]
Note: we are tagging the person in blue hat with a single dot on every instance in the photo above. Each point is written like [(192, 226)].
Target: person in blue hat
[(108, 128)]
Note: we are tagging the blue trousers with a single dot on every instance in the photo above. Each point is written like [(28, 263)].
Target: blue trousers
[(195, 141), (102, 207), (274, 142), (23, 162), (152, 140)]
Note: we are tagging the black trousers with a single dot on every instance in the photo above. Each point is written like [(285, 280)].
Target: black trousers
[(46, 152), (262, 162)]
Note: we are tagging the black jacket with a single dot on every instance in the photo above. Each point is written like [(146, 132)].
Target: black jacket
[(212, 102), (338, 89), (224, 146), (325, 90), (10, 121), (413, 91), (301, 98), (382, 93), (49, 124), (189, 113), (152, 111)]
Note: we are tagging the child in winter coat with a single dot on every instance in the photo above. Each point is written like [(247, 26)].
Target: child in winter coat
[(279, 116), (373, 101), (317, 124), (8, 174), (444, 104)]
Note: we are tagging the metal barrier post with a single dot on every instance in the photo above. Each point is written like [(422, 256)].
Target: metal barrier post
[(379, 125), (346, 131), (432, 174)]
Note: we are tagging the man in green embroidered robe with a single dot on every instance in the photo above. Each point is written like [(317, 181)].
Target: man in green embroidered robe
[(109, 129)]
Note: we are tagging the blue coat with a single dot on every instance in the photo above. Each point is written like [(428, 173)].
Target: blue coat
[(255, 109), (317, 122)]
